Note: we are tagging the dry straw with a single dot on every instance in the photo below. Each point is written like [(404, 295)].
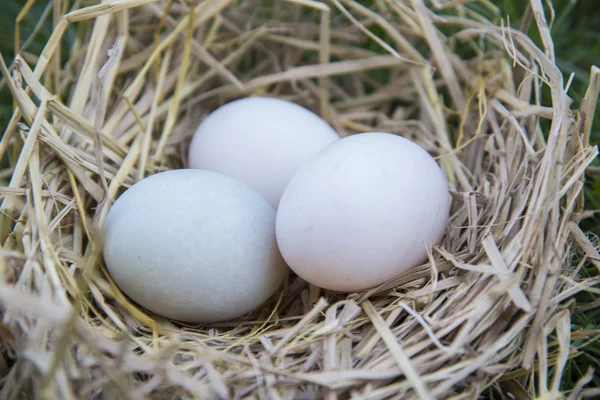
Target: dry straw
[(490, 308)]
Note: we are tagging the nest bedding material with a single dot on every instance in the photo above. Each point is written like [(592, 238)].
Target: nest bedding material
[(489, 310)]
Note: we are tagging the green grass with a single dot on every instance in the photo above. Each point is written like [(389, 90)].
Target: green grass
[(576, 34)]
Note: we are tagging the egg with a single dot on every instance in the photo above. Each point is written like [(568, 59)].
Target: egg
[(362, 211), (259, 141), (194, 246)]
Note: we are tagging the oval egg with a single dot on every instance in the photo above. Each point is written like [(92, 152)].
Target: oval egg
[(362, 211), (194, 246), (259, 141)]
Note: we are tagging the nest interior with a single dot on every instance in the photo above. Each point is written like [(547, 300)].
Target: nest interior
[(490, 307)]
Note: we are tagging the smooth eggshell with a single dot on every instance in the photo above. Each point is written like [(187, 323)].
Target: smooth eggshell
[(194, 246), (259, 141), (362, 211)]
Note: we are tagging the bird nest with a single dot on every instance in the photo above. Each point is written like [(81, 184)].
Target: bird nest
[(489, 310)]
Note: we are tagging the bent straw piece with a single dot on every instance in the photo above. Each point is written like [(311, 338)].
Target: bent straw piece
[(81, 92), (60, 197), (331, 69), (22, 163), (201, 51), (48, 135), (498, 263), (63, 112), (588, 104), (18, 20), (312, 314), (590, 251), (503, 341), (115, 54), (394, 33), (52, 264), (190, 88), (515, 124), (40, 68), (366, 31), (336, 50), (213, 7), (538, 13), (101, 10), (394, 347), (443, 62)]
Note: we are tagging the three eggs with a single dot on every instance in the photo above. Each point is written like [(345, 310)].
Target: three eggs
[(272, 185)]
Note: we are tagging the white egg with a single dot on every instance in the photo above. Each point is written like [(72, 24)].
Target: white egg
[(362, 211), (259, 141), (194, 246)]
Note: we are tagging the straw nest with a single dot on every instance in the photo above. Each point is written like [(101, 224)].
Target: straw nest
[(489, 310)]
